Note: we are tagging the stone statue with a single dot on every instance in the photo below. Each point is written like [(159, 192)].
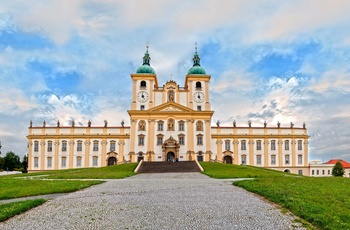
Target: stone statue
[(73, 123), (142, 126), (265, 124), (106, 123), (89, 123), (171, 95), (30, 124), (250, 123), (218, 123), (234, 123), (199, 126), (170, 125), (44, 123), (58, 123), (278, 124), (304, 125), (291, 124), (122, 123)]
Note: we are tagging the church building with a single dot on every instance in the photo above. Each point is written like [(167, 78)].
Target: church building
[(168, 122)]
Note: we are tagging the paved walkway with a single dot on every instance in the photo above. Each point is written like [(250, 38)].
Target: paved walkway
[(156, 201)]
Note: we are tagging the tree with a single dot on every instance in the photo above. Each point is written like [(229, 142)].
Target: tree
[(338, 169), (11, 161), (2, 162), (25, 163)]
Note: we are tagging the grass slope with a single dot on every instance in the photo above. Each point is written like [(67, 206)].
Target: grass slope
[(324, 202), (15, 208)]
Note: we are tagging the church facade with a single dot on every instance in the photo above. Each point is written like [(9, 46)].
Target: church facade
[(168, 122)]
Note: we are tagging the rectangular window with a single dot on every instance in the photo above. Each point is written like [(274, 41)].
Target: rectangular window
[(286, 145), (36, 146), (63, 162), (112, 147), (181, 140), (199, 108), (323, 172), (258, 159), (79, 146), (243, 146), (160, 126), (49, 162), (273, 159), (141, 141), (300, 172), (313, 172), (329, 172), (36, 162), (199, 140), (227, 145), (78, 161), (95, 148), (94, 161), (317, 172), (64, 146), (300, 145), (244, 159), (181, 127), (159, 140), (273, 145), (142, 107), (286, 159), (49, 146), (258, 145), (300, 159)]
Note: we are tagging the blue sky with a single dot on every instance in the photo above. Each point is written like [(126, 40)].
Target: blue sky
[(285, 61)]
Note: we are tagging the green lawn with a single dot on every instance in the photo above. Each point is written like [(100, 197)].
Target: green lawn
[(324, 202), (15, 208), (32, 184)]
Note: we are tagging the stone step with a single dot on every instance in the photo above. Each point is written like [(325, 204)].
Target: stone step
[(168, 167)]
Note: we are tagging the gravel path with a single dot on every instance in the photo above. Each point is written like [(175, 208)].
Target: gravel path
[(156, 201)]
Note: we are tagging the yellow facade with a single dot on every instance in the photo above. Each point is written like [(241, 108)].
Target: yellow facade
[(168, 122)]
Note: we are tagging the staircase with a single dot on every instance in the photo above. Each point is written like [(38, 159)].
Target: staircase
[(168, 167)]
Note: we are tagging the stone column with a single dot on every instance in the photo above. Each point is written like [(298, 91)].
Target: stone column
[(87, 152), (42, 150), (266, 152), (104, 152), (280, 157), (251, 151), (219, 150), (56, 151), (121, 144)]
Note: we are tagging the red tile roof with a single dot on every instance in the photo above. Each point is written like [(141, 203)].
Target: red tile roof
[(333, 161)]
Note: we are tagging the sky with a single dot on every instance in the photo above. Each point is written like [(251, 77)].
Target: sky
[(279, 61)]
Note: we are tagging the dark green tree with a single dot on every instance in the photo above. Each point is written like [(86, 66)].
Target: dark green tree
[(338, 169), (11, 161), (2, 162), (25, 163)]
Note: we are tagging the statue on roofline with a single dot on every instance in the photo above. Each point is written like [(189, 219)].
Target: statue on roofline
[(89, 123)]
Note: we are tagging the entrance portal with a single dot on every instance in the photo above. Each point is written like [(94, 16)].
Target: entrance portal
[(112, 161), (228, 160), (170, 156)]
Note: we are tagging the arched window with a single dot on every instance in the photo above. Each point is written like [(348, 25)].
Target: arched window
[(143, 84), (198, 85)]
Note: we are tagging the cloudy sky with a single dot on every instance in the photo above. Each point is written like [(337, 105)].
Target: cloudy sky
[(269, 60)]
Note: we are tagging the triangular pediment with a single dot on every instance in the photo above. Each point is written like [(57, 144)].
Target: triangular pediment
[(171, 107)]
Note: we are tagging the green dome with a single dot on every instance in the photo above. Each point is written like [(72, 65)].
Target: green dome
[(145, 69), (196, 70)]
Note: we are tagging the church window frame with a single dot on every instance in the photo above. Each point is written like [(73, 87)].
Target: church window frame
[(49, 162), (181, 125), (286, 145), (95, 146), (243, 145), (49, 146), (258, 159), (199, 139), (112, 146), (273, 159), (36, 146), (160, 125), (78, 163), (300, 159), (63, 162), (141, 141), (244, 159), (300, 145), (79, 146), (64, 146), (95, 161), (36, 162), (227, 145), (273, 145), (258, 145), (160, 139), (287, 159), (181, 139)]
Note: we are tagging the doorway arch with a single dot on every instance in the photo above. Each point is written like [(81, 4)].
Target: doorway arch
[(170, 156), (112, 161), (287, 171), (227, 159)]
